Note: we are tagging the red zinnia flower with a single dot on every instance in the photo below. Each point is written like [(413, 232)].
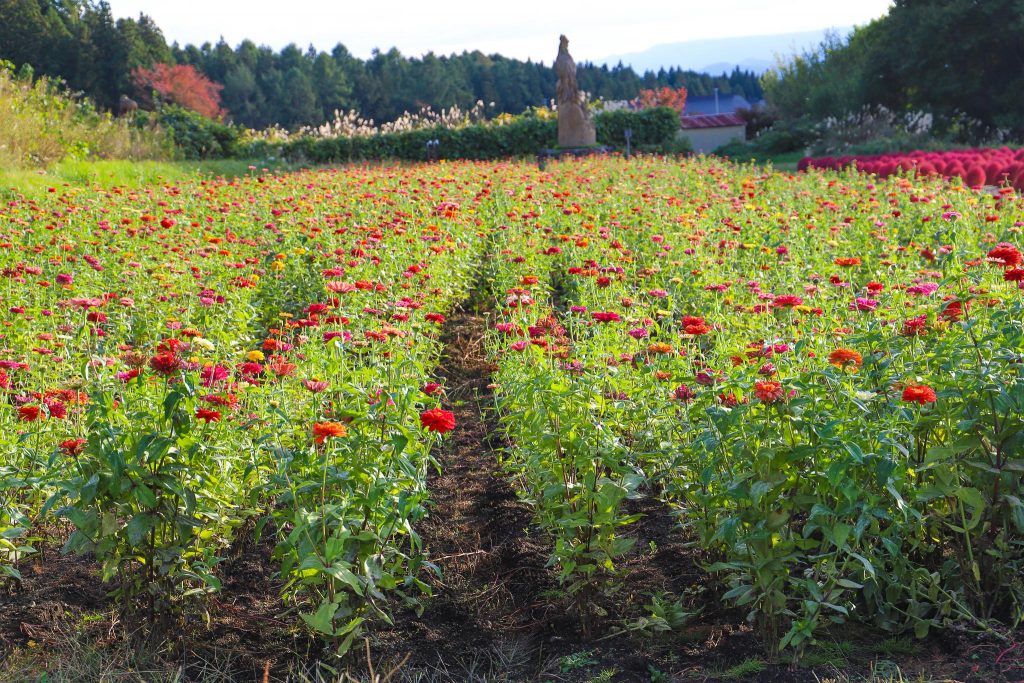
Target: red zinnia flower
[(227, 400), (914, 327), (212, 374), (953, 311), (431, 388), (1014, 275), (437, 420), (170, 345), (29, 413), (281, 368), (165, 363), (919, 393), (787, 301), (1005, 255), (250, 368), (56, 409), (208, 415), (72, 447), (606, 317), (683, 393)]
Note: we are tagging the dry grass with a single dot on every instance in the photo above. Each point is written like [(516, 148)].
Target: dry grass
[(44, 124)]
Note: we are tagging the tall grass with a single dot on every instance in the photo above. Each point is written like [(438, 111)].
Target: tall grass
[(41, 123)]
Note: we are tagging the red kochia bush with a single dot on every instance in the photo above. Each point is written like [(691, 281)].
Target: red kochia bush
[(977, 167), (975, 176)]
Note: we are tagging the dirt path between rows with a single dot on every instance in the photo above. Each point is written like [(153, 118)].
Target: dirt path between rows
[(487, 617), (496, 613)]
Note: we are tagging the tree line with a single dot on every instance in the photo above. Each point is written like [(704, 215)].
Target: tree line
[(81, 42)]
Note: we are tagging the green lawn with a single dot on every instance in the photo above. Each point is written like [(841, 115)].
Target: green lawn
[(779, 162), (111, 173)]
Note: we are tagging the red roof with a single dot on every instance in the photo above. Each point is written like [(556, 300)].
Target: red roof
[(711, 121)]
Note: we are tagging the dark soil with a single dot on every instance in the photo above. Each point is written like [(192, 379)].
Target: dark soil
[(250, 628), (54, 590)]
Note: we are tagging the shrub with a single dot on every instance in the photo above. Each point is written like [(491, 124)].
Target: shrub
[(758, 118), (886, 129), (144, 498), (196, 136)]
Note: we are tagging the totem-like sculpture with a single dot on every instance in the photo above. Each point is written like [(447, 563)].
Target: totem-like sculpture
[(575, 129)]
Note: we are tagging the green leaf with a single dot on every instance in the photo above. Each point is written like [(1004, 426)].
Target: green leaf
[(322, 621), (137, 528), (838, 608), (970, 496), (868, 567), (921, 628), (145, 496), (346, 577)]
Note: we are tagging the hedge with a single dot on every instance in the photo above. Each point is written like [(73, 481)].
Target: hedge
[(651, 127), (524, 136)]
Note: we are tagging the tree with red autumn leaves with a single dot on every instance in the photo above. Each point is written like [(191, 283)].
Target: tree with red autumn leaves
[(181, 84), (662, 97)]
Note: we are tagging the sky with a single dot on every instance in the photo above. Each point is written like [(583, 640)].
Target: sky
[(513, 28)]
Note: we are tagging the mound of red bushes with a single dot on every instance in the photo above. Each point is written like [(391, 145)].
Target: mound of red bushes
[(988, 166)]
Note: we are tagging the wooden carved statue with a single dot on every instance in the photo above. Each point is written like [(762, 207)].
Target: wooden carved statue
[(575, 129)]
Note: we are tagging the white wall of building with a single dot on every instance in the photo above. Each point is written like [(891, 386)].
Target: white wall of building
[(707, 140)]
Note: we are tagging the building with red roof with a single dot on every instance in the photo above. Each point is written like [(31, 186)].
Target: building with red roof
[(708, 132)]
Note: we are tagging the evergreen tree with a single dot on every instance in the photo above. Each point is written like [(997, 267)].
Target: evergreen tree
[(80, 41)]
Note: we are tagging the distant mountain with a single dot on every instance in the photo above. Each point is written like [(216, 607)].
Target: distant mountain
[(758, 66), (715, 55)]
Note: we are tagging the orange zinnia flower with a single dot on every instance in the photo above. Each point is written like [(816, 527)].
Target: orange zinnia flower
[(842, 358), (323, 430), (768, 392)]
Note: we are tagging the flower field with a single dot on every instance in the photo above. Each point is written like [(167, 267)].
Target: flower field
[(976, 167), (820, 377)]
